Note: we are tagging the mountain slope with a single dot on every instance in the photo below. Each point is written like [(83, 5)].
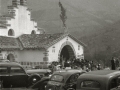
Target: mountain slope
[(84, 17), (95, 22)]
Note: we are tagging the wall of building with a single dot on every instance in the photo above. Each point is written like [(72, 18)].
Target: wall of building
[(26, 57), (21, 23), (54, 51)]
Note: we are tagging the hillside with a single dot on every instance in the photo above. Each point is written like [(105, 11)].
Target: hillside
[(84, 18), (105, 45), (95, 22)]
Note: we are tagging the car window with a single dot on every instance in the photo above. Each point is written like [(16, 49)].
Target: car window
[(73, 78), (76, 76), (16, 70), (3, 70), (115, 83), (58, 78), (90, 84)]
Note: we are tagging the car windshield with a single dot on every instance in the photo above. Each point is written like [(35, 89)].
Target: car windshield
[(57, 78)]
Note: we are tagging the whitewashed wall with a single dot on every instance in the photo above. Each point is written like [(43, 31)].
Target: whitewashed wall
[(25, 55), (21, 24), (53, 56)]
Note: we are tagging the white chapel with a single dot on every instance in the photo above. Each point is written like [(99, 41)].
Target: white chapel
[(23, 42)]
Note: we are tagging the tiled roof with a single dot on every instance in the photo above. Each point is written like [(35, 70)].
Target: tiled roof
[(38, 40), (8, 43), (32, 41)]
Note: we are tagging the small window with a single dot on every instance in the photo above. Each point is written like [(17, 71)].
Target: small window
[(33, 32), (34, 63), (90, 84), (31, 63), (16, 70), (28, 63), (21, 63), (11, 32), (3, 70), (78, 47), (53, 49)]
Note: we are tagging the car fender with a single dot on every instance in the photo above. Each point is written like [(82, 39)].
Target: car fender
[(37, 84), (33, 76)]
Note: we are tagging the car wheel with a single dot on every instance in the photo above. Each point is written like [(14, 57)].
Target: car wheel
[(34, 79)]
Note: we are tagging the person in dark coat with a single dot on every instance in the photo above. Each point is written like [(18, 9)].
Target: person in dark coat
[(117, 63), (113, 67)]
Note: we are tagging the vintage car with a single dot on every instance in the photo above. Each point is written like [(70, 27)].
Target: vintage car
[(12, 75), (44, 82), (99, 80), (64, 80)]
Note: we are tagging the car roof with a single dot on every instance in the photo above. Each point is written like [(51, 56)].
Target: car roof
[(67, 74), (70, 70), (38, 70), (103, 72), (9, 64), (100, 74)]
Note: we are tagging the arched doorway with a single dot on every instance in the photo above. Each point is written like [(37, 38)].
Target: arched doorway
[(67, 53), (11, 57)]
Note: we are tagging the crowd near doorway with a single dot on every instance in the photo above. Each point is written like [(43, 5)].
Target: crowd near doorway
[(67, 53)]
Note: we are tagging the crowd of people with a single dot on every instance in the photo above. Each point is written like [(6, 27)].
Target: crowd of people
[(75, 64), (82, 64)]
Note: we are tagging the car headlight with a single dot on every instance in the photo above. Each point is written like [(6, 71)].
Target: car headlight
[(50, 75)]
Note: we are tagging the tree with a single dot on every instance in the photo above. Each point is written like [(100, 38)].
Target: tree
[(63, 16)]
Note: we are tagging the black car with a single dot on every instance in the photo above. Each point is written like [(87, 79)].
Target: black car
[(64, 80), (44, 82), (12, 75)]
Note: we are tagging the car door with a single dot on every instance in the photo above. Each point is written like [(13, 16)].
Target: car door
[(71, 83), (4, 76), (18, 77), (115, 83)]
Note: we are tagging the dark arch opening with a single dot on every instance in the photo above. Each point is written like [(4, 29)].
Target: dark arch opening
[(11, 57), (67, 53), (33, 32), (11, 32)]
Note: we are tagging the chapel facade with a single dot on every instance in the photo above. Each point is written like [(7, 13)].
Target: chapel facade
[(22, 41)]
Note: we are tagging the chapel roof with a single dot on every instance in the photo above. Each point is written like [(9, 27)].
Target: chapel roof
[(8, 43), (33, 41), (38, 40)]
